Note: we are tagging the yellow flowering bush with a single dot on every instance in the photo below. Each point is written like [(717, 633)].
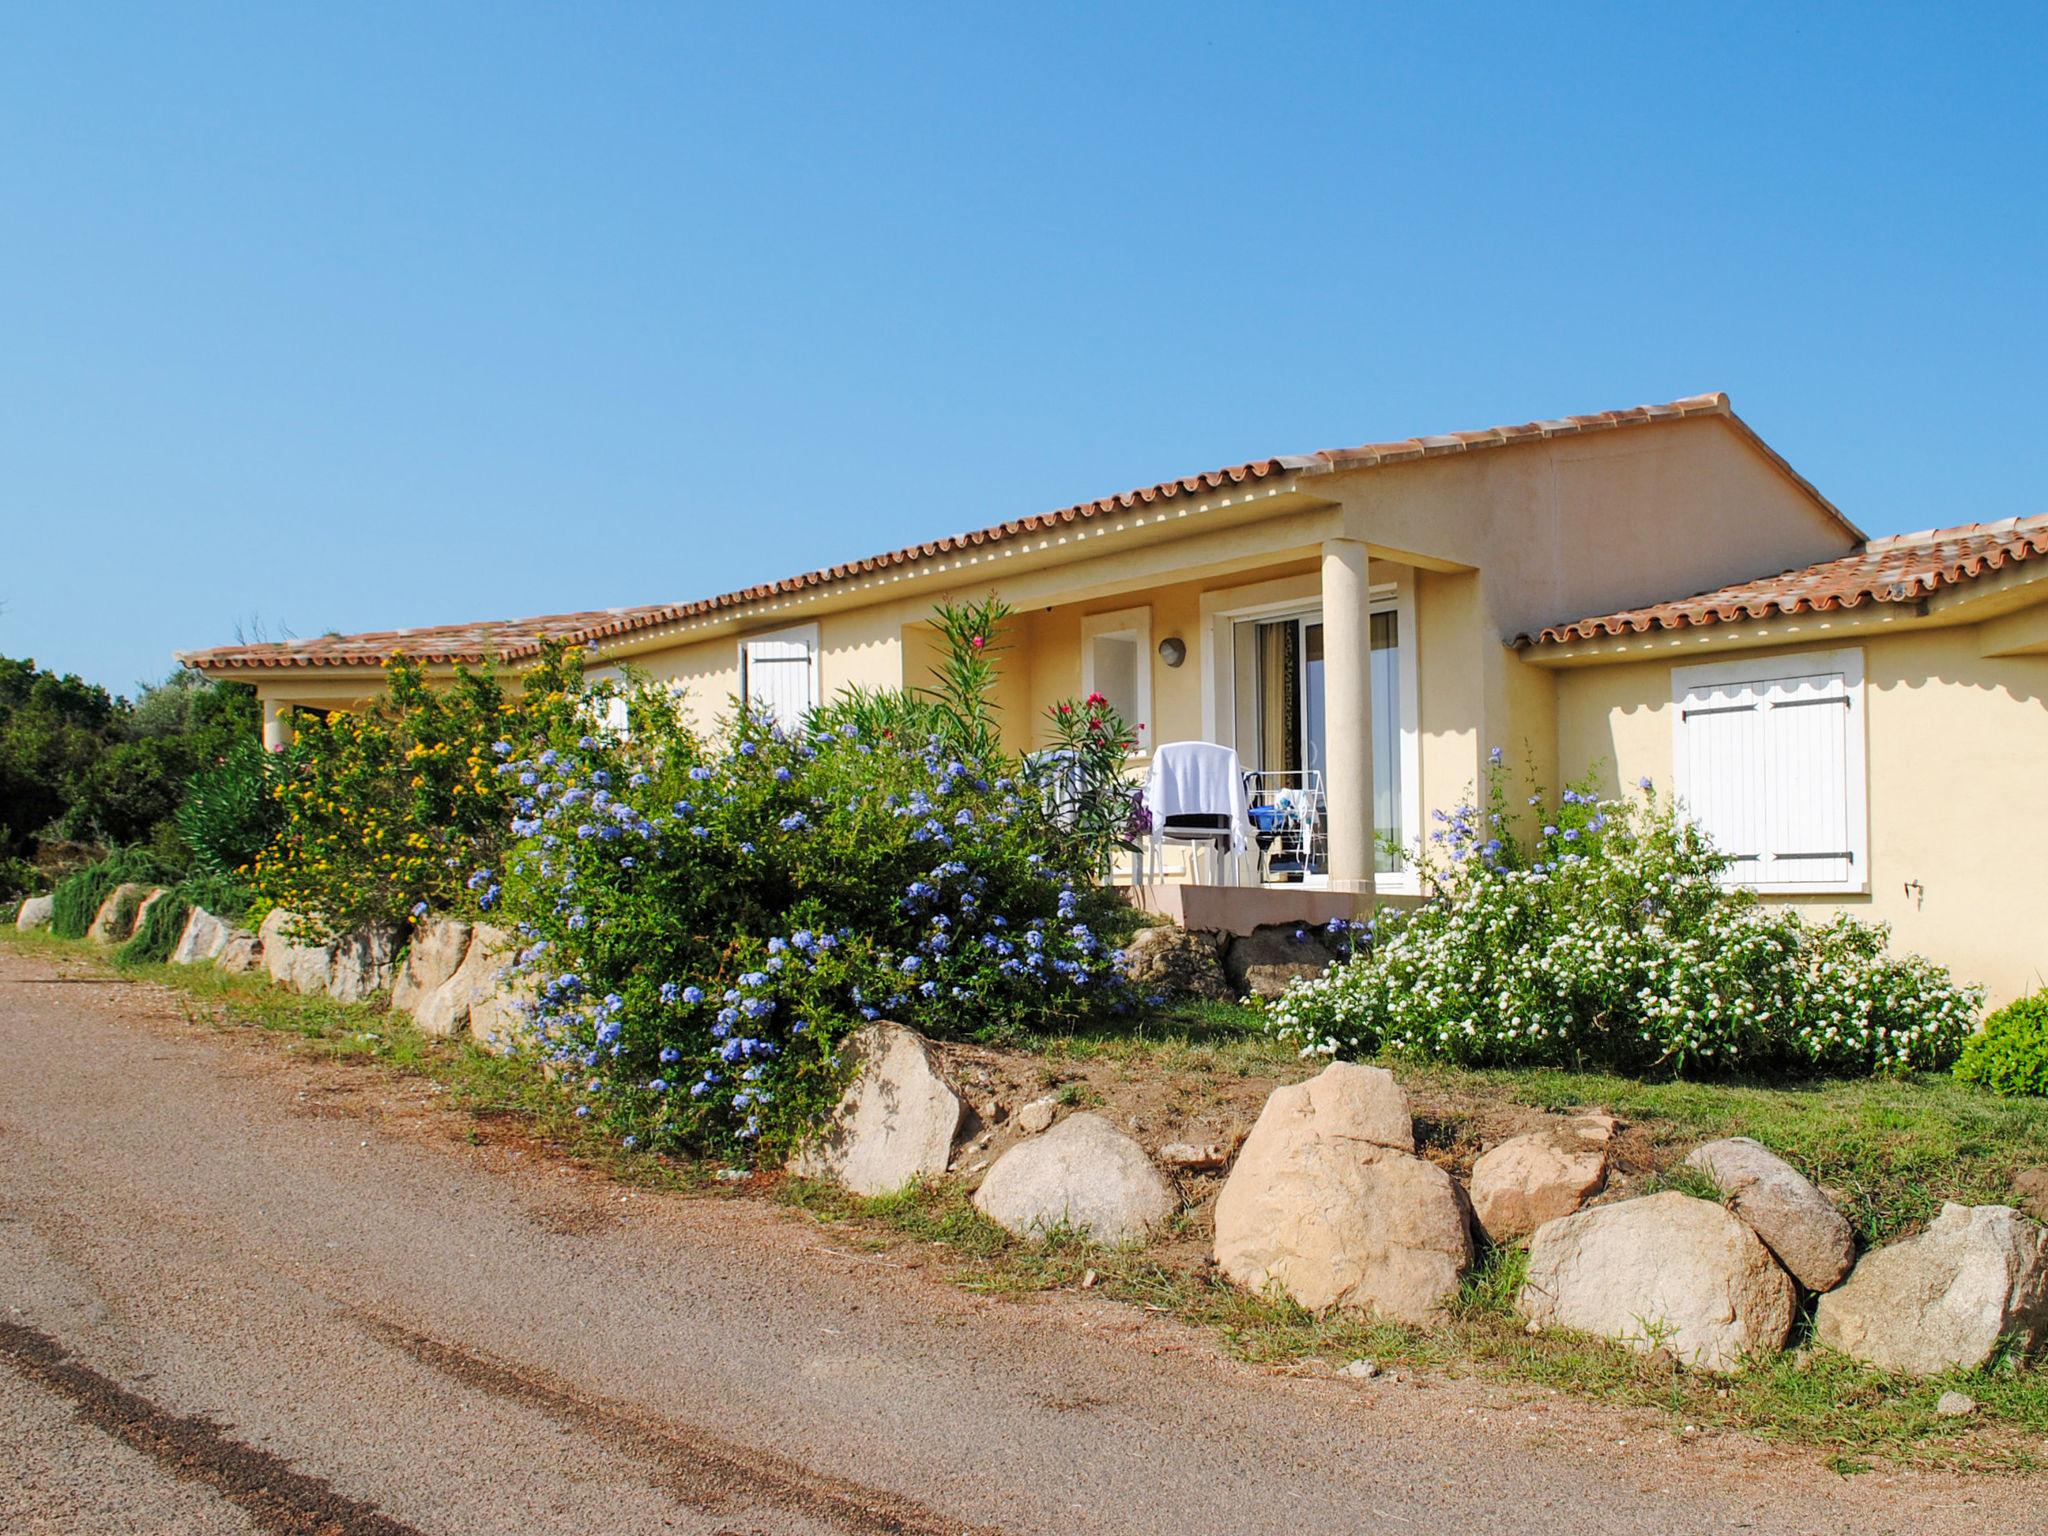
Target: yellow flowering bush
[(387, 810)]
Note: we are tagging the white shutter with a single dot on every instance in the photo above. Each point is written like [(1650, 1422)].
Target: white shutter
[(780, 677), (1805, 735), (1721, 772), (1768, 758)]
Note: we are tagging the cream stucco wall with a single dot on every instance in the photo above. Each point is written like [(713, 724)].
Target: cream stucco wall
[(1957, 763)]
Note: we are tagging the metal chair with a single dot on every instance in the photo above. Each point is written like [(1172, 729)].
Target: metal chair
[(1287, 819)]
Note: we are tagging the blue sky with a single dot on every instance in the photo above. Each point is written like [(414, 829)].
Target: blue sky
[(347, 317)]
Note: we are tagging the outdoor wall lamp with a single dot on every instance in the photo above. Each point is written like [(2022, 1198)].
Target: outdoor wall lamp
[(1173, 650)]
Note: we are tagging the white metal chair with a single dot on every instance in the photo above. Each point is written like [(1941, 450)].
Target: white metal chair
[(1287, 821), (1196, 795)]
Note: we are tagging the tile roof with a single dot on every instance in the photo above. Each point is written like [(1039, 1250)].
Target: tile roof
[(1900, 569), (511, 639), (492, 639)]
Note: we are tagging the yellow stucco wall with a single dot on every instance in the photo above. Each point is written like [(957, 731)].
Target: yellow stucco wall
[(1957, 761)]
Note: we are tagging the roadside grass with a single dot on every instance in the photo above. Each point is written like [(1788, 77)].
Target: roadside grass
[(1890, 1151)]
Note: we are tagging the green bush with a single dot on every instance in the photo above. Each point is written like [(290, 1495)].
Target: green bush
[(2010, 1055), (82, 771), (164, 923), (705, 920), (80, 895), (1608, 940), (230, 810), (160, 929)]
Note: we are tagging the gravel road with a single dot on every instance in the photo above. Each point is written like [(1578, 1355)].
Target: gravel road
[(243, 1291)]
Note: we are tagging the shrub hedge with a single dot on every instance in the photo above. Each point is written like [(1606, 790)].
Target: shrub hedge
[(2010, 1055), (1607, 939)]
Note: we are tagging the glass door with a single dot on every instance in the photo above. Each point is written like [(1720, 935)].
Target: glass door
[(1282, 724)]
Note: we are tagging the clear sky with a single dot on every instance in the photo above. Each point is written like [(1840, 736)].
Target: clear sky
[(354, 316)]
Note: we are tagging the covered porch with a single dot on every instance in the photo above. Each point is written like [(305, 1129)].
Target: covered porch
[(1305, 666)]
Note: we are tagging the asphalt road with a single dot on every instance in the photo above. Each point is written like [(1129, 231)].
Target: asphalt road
[(241, 1291)]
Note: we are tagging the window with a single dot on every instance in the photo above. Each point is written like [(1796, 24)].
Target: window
[(779, 674), (1768, 760), (1116, 662), (612, 714)]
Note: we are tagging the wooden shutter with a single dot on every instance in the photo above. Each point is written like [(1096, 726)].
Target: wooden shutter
[(1770, 767), (1805, 746), (781, 678), (1721, 774)]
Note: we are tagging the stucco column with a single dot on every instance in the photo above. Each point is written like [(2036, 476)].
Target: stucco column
[(1347, 713), (277, 722)]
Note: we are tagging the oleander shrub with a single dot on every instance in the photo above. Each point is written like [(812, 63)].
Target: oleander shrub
[(2010, 1054), (1606, 939), (703, 921), (231, 809), (382, 812)]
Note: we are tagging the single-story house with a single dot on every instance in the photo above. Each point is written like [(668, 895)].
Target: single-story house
[(1650, 592)]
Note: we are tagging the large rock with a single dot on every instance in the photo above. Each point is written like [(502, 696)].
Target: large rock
[(114, 923), (1663, 1271), (243, 952), (365, 963), (302, 966), (1264, 961), (35, 912), (205, 936), (896, 1121), (1782, 1207), (1083, 1175), (439, 947), (1170, 960), (484, 995), (1538, 1177), (1946, 1297), (1328, 1202), (2030, 1192), (470, 989)]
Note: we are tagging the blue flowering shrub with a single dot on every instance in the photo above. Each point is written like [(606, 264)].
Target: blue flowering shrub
[(702, 922), (1608, 940)]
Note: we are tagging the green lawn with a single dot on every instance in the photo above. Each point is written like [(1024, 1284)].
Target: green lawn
[(1891, 1151)]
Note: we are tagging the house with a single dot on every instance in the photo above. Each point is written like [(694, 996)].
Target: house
[(1863, 723)]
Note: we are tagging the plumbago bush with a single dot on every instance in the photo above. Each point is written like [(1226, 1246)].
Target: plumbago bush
[(703, 921), (1608, 940)]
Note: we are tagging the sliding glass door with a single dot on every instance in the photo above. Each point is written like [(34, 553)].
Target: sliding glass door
[(1278, 670)]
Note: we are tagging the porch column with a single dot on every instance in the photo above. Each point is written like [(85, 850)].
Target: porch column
[(1347, 706), (277, 721)]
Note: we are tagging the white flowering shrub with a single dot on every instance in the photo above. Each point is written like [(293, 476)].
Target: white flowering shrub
[(1608, 940)]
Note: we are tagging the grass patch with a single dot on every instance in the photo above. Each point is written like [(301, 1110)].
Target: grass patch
[(1891, 1151)]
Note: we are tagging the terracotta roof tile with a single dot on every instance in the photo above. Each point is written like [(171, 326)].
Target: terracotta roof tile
[(492, 639), (511, 639), (1900, 569)]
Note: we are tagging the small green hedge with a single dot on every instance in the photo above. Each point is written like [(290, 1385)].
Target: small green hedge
[(164, 923), (2010, 1055), (79, 895)]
